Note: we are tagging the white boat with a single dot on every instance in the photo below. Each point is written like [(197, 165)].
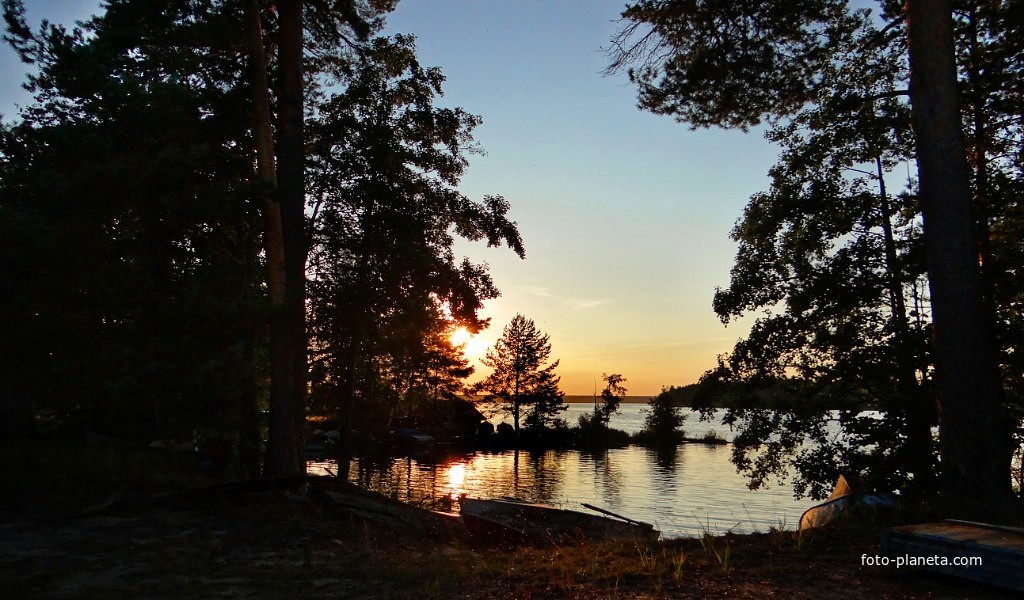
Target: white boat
[(840, 500)]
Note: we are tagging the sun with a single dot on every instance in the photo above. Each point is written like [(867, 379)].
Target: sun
[(472, 345), (460, 336)]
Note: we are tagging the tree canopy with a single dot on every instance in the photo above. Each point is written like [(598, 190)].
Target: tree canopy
[(143, 216), (837, 260), (386, 284), (519, 377)]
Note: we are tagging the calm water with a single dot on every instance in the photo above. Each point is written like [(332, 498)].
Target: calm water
[(684, 492)]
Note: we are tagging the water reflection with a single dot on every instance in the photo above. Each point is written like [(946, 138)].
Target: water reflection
[(665, 458), (455, 473), (683, 490), (664, 466)]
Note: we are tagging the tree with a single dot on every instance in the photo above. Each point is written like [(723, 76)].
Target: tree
[(135, 299), (157, 241), (772, 55), (593, 427), (440, 376), (663, 421), (283, 451), (831, 261), (973, 433), (519, 377), (298, 28), (544, 401), (385, 281), (611, 397), (719, 63)]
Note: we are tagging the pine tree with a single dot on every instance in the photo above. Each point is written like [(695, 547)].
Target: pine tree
[(519, 378)]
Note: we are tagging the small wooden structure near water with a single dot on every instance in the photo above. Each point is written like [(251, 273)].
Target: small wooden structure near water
[(944, 547)]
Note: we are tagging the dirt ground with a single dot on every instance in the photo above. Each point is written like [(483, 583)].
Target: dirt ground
[(325, 540)]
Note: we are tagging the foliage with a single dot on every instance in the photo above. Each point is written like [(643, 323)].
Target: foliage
[(129, 299), (830, 258), (136, 232), (723, 63), (663, 419), (838, 263), (592, 428), (386, 287), (519, 377), (611, 397), (544, 401)]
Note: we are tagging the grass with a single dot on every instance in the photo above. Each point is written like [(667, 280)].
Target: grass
[(273, 544), (712, 437), (678, 560)]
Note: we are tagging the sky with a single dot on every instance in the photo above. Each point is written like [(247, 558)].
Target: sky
[(625, 215)]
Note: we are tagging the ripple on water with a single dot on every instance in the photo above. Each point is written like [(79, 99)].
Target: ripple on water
[(685, 491)]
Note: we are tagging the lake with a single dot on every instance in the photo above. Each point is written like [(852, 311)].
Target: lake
[(686, 491)]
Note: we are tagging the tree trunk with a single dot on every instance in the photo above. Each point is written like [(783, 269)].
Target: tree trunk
[(515, 407), (347, 407), (292, 198), (915, 406), (283, 456), (973, 438), (979, 150)]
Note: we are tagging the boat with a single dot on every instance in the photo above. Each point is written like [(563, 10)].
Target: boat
[(412, 440), (515, 521), (991, 554), (841, 499)]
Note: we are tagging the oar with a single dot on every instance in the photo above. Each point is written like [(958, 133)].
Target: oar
[(617, 516)]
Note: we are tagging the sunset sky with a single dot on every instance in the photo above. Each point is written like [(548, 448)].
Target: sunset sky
[(625, 215)]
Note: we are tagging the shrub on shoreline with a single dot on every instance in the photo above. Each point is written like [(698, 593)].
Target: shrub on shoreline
[(663, 424)]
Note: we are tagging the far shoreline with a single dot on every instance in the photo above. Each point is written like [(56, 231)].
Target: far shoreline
[(582, 399)]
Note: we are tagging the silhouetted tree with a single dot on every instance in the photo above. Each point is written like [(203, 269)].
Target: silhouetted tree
[(663, 420), (130, 299), (327, 32), (544, 401), (830, 260), (133, 260), (611, 397), (719, 63), (974, 436), (593, 427), (519, 377), (386, 283)]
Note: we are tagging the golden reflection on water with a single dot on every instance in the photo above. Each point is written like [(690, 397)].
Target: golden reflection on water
[(455, 474), (684, 490)]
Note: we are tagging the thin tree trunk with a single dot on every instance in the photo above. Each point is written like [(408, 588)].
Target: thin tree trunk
[(980, 150), (248, 418), (973, 437), (347, 407), (515, 406), (915, 406)]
